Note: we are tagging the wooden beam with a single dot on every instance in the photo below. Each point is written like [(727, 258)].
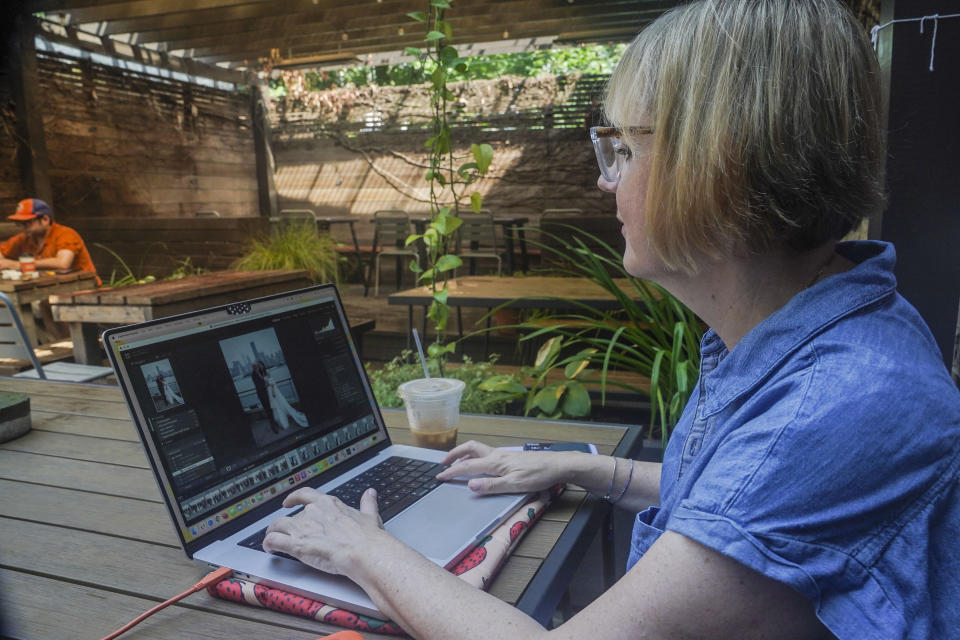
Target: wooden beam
[(31, 139), (82, 11), (333, 23), (223, 15), (247, 30), (74, 37), (265, 161)]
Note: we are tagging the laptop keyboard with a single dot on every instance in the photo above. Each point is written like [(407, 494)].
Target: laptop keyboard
[(399, 483)]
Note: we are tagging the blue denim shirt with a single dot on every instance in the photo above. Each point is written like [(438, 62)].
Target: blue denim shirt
[(823, 452)]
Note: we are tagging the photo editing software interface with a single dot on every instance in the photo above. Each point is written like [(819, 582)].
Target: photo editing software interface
[(242, 409)]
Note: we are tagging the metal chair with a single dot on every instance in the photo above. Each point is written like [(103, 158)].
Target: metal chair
[(297, 214), (293, 216), (477, 238), (391, 230), (550, 213), (14, 343)]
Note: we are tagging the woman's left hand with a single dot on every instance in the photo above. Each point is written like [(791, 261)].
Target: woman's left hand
[(326, 534)]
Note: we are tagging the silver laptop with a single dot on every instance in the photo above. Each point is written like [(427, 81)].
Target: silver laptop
[(239, 405)]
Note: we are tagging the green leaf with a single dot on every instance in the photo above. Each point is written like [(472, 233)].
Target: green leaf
[(575, 368), (441, 296), (461, 67), (576, 401), (411, 239), (465, 169), (448, 262), (447, 29), (419, 16), (413, 51), (441, 4), (434, 35), (483, 154), (446, 224), (547, 398), (548, 352), (438, 313), (416, 268), (448, 54), (502, 383), (476, 201)]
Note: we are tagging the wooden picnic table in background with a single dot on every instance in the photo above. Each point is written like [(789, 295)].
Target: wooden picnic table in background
[(88, 543), (24, 292), (85, 310), (524, 292)]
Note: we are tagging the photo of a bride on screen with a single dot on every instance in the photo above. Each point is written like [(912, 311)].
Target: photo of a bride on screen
[(162, 385), (262, 381)]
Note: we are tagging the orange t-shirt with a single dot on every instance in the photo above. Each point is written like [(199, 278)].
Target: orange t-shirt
[(59, 237)]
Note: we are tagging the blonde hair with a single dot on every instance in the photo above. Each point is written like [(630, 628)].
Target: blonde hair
[(767, 125)]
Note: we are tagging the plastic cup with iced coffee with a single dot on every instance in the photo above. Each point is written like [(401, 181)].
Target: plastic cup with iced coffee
[(433, 410)]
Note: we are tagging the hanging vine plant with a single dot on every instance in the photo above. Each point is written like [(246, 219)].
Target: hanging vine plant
[(448, 174)]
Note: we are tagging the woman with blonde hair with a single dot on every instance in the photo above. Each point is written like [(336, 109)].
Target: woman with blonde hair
[(810, 488)]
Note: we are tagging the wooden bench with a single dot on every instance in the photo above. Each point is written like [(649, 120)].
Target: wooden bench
[(46, 353), (85, 311)]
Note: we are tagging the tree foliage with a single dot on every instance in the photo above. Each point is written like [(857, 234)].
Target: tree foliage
[(560, 61)]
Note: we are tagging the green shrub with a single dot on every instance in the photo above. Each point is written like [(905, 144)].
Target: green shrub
[(293, 246), (404, 367)]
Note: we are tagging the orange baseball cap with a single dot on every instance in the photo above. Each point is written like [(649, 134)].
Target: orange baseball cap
[(30, 209)]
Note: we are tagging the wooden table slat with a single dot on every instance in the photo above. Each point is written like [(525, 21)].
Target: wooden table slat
[(81, 476), (93, 512), (38, 601), (113, 480), (80, 447)]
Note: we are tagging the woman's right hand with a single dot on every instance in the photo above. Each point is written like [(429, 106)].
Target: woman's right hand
[(505, 471)]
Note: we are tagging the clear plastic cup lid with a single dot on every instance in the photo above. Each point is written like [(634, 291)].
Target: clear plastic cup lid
[(426, 388)]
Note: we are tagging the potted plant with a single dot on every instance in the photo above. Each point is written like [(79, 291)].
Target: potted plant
[(652, 334)]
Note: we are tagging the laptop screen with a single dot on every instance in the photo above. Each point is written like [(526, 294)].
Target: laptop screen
[(244, 402)]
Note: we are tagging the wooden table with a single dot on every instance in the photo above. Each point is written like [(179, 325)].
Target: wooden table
[(86, 310), (88, 543), (24, 292), (527, 292)]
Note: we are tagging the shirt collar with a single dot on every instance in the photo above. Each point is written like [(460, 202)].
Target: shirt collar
[(808, 313)]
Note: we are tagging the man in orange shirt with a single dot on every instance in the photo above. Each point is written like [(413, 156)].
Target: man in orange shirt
[(52, 245)]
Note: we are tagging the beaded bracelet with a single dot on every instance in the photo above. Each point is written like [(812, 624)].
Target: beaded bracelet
[(626, 484)]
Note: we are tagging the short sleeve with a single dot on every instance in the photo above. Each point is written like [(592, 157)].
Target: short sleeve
[(815, 496), (68, 239), (10, 248)]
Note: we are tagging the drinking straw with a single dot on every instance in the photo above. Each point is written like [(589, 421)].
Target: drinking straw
[(423, 361)]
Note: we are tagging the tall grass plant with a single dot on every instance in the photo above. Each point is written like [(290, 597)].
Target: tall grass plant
[(293, 246)]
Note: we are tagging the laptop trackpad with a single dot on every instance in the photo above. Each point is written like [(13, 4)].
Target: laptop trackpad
[(449, 519)]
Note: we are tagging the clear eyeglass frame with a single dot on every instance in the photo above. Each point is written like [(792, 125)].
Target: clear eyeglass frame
[(609, 146)]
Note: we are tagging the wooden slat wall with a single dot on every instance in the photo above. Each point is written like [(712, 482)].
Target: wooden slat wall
[(156, 246), (333, 156), (10, 190), (127, 144)]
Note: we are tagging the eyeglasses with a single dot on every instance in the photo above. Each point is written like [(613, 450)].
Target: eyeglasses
[(611, 150)]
